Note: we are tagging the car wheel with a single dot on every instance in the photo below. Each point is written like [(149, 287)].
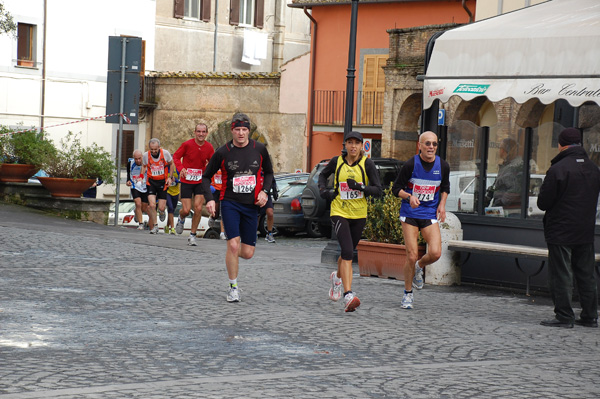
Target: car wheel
[(212, 234), (312, 229), (325, 230)]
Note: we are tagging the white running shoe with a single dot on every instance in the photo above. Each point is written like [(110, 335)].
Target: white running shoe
[(179, 226), (418, 281), (233, 295), (162, 215), (140, 227), (351, 302), (154, 229), (407, 300), (223, 236), (335, 292), (192, 241)]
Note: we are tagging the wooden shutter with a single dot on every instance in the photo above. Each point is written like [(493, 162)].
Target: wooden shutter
[(373, 89), (259, 13), (179, 8), (234, 12), (205, 11)]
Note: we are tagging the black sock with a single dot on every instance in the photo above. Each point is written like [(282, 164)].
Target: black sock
[(193, 234), (347, 292), (408, 292)]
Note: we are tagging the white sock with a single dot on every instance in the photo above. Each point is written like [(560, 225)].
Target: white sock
[(417, 264), (233, 283)]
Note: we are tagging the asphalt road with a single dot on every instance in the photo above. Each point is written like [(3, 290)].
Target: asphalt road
[(89, 311)]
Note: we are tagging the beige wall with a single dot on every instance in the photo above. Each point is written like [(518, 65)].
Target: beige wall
[(294, 85), (186, 99), (188, 45), (491, 8)]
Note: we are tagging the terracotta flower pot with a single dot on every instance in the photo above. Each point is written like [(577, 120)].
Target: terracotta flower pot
[(16, 173), (62, 187), (382, 260)]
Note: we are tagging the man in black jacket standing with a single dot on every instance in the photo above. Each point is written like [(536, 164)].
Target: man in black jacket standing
[(569, 195)]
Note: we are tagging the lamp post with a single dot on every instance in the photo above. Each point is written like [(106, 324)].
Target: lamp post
[(332, 250), (351, 70)]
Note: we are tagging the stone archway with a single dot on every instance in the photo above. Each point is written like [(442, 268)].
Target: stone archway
[(406, 131)]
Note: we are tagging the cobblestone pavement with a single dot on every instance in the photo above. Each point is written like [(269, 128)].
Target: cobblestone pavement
[(90, 311)]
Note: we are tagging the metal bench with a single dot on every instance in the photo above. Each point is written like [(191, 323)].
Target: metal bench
[(510, 250)]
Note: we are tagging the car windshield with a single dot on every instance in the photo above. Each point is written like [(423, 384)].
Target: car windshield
[(292, 190)]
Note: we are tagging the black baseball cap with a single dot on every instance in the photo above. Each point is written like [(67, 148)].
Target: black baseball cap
[(354, 135)]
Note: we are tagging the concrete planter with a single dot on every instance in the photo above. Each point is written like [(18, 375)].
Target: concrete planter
[(380, 259)]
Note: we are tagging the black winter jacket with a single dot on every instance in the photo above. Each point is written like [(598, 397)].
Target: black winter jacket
[(569, 195)]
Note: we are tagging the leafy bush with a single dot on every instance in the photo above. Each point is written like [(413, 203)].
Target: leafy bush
[(29, 147), (72, 160), (383, 219)]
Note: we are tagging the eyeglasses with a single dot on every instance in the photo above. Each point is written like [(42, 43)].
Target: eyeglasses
[(429, 143)]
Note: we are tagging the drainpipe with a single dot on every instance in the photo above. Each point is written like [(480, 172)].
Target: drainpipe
[(43, 99), (279, 35), (311, 118), (215, 39), (464, 4)]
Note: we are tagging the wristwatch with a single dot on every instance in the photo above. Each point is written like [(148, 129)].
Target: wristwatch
[(408, 198), (266, 192)]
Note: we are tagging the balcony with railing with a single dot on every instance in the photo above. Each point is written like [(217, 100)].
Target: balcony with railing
[(330, 108)]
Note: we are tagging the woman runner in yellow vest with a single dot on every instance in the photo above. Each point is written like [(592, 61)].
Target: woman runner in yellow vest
[(355, 177)]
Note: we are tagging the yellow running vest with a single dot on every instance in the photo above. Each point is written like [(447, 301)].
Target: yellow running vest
[(349, 204)]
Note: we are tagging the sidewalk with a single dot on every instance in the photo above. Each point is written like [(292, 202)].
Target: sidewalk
[(89, 311)]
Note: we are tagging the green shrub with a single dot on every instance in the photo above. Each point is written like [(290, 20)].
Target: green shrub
[(29, 147), (72, 160)]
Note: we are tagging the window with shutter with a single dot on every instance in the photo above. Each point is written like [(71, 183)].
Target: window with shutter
[(373, 89), (25, 45), (128, 146), (247, 13)]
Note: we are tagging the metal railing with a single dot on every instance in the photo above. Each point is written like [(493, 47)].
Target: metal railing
[(330, 107)]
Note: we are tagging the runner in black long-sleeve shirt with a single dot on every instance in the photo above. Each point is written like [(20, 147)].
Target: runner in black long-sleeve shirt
[(247, 174)]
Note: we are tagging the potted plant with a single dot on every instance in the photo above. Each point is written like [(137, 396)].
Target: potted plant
[(22, 154), (73, 168), (382, 252)]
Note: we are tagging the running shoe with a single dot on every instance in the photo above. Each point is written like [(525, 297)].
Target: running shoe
[(351, 302), (154, 229), (179, 227), (418, 281), (223, 236), (407, 300), (192, 241), (233, 295), (335, 292), (140, 227), (173, 231), (162, 215), (269, 238)]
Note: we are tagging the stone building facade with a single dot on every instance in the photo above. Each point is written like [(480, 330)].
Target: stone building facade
[(185, 99), (403, 93)]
